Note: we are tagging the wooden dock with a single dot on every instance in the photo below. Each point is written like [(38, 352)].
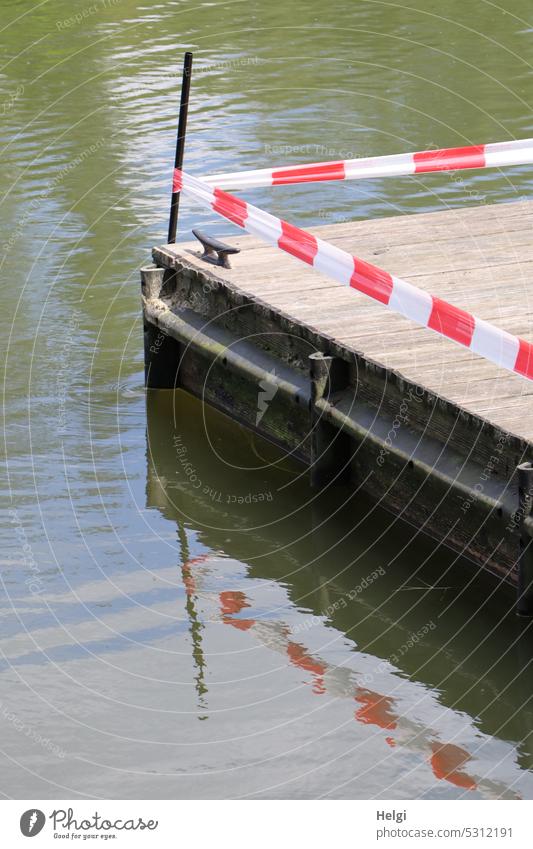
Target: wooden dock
[(365, 397)]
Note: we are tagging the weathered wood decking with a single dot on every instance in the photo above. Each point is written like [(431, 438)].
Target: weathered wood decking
[(422, 423)]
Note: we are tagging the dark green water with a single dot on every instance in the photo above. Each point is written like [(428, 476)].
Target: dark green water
[(181, 616)]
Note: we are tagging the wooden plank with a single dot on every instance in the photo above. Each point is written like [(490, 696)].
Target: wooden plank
[(441, 226)]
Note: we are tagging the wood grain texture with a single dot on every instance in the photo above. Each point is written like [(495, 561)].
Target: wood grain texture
[(480, 259)]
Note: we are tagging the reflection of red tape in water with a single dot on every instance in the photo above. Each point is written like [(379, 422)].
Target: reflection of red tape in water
[(497, 155), (497, 346), (448, 761)]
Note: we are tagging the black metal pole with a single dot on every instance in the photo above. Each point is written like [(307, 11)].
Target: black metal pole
[(180, 143)]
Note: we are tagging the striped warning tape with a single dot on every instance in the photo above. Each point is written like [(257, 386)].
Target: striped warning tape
[(449, 159), (485, 339)]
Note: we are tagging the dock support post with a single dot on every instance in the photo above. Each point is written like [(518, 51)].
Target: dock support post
[(330, 447), (152, 281), (162, 353), (525, 562)]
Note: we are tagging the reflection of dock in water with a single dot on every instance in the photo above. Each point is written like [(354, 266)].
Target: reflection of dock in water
[(438, 696)]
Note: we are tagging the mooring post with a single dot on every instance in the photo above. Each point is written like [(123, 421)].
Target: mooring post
[(330, 447), (525, 562), (180, 144), (162, 353), (152, 281)]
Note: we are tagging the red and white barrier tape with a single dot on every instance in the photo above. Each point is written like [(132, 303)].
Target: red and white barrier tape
[(450, 159), (498, 346)]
